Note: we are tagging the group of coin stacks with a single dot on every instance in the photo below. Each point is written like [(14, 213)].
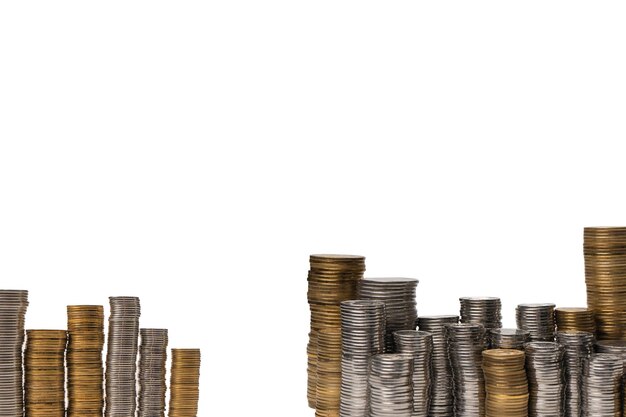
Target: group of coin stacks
[(51, 355)]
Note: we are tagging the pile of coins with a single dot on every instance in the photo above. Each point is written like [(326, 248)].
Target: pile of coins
[(575, 319), (152, 357), (508, 338), (617, 348), (605, 276), (601, 394), (44, 366), (466, 342), (390, 393), (578, 346), (122, 347), (362, 336), (419, 345), (184, 383), (538, 319), (332, 279), (398, 294), (13, 305), (441, 399), (506, 385), (546, 378), (482, 310), (328, 368), (85, 324)]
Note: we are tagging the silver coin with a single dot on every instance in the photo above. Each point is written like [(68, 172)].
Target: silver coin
[(538, 319), (601, 394), (578, 346)]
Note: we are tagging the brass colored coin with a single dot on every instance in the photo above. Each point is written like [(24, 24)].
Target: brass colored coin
[(184, 383)]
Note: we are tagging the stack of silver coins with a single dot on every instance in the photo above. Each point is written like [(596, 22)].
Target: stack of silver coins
[(419, 345), (152, 386), (508, 338), (538, 319), (618, 348), (441, 399), (362, 335), (398, 294), (482, 310), (601, 394), (578, 346), (389, 383), (13, 305), (546, 379), (466, 342), (121, 366)]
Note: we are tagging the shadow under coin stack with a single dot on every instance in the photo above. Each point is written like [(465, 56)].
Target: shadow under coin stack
[(389, 382), (13, 305), (546, 379), (508, 338), (574, 318), (398, 294), (152, 386), (482, 310), (538, 319), (578, 346), (506, 385), (618, 348), (602, 375), (441, 398), (328, 368), (44, 366), (419, 345), (184, 383), (331, 280)]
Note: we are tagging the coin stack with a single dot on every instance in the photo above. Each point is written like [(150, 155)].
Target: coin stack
[(362, 335), (601, 396), (618, 348), (328, 368), (121, 367), (546, 379), (13, 304), (575, 318), (538, 319), (577, 347), (332, 279), (508, 338), (85, 324), (184, 383), (605, 276), (482, 310), (398, 294), (466, 342), (505, 383), (419, 345), (152, 357), (441, 399), (44, 366), (389, 382)]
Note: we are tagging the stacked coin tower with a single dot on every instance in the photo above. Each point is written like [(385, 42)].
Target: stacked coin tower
[(152, 357), (538, 319), (578, 347), (617, 348), (482, 310), (505, 383), (508, 338), (575, 319), (328, 368), (602, 374), (390, 385), (184, 385), (419, 345), (546, 378)]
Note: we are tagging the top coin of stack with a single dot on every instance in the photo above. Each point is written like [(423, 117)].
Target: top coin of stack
[(482, 310), (574, 318)]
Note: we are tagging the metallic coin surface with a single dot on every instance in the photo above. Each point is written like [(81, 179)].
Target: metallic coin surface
[(184, 383), (389, 382), (578, 346), (482, 310), (546, 379), (152, 385), (419, 345), (506, 384), (601, 393), (538, 319)]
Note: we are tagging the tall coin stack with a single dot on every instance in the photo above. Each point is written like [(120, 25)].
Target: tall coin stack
[(152, 357), (328, 368), (419, 345), (441, 398), (362, 336), (121, 367), (332, 279), (505, 383), (44, 366), (575, 318), (602, 375), (398, 294), (390, 385), (482, 310), (618, 348), (605, 276), (13, 304), (546, 379), (538, 319), (578, 347), (184, 383), (85, 324), (508, 338), (466, 342)]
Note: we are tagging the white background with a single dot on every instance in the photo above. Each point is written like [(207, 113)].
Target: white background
[(195, 153)]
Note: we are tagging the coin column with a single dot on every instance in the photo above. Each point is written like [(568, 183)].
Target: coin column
[(508, 338), (328, 368), (546, 378), (578, 347), (618, 348), (184, 383), (419, 345), (389, 384), (602, 373), (505, 383), (482, 310), (538, 319), (575, 318), (13, 305), (152, 386)]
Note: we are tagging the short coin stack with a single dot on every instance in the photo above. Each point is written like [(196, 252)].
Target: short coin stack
[(538, 319), (578, 346), (617, 348), (184, 383), (419, 345), (44, 366), (505, 383), (508, 338), (390, 385), (546, 379), (575, 318), (328, 368), (601, 396), (152, 357), (482, 310)]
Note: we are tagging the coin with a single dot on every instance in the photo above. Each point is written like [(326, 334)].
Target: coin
[(618, 348), (575, 318), (482, 310), (13, 305), (538, 319), (508, 338), (390, 393), (577, 347), (419, 345), (184, 383), (152, 386), (546, 378), (506, 385), (601, 393)]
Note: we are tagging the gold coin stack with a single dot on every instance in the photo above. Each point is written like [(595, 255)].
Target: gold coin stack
[(605, 276), (328, 368), (506, 384), (575, 319), (85, 324), (45, 373), (332, 279), (184, 383)]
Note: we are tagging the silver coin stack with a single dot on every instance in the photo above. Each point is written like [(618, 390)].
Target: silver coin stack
[(546, 379), (152, 386), (618, 348), (538, 319), (419, 345), (13, 305), (466, 342), (122, 357), (441, 398), (390, 393), (508, 338), (578, 346), (398, 294), (601, 394), (482, 310), (362, 335)]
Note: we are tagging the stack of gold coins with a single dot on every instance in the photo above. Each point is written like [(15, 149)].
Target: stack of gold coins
[(505, 383), (85, 324), (332, 279), (45, 373), (328, 368), (184, 383), (575, 319), (605, 276)]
